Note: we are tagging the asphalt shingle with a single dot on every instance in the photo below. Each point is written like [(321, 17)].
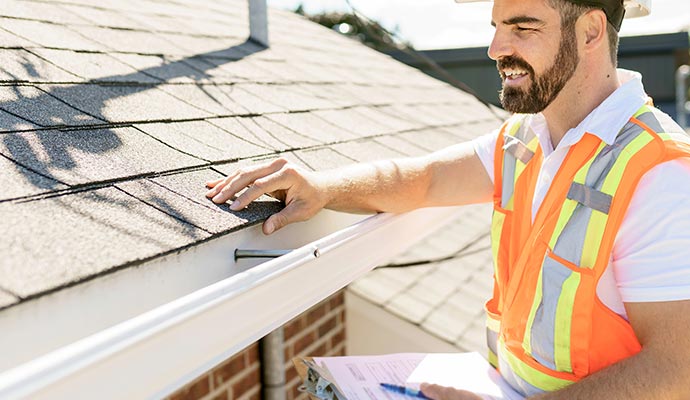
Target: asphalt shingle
[(38, 10), (352, 121), (168, 69), (50, 35), (21, 65), (93, 66), (106, 229), (311, 125), (22, 101), (323, 158), (128, 41), (194, 208), (125, 103), (9, 39), (83, 156), (9, 122), (7, 299), (205, 97), (203, 140), (17, 181), (366, 150)]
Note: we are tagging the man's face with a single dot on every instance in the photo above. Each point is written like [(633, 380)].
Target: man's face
[(524, 49)]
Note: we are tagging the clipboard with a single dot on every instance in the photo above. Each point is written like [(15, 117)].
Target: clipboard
[(317, 381)]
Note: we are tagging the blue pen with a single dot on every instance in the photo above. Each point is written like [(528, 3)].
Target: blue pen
[(404, 390)]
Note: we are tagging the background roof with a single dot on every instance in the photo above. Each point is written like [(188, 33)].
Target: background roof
[(444, 24), (114, 114)]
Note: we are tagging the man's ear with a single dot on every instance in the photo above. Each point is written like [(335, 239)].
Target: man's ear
[(592, 26)]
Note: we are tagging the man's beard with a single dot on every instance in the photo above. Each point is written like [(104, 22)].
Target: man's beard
[(544, 88)]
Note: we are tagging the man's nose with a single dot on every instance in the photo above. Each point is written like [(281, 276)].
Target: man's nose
[(500, 46)]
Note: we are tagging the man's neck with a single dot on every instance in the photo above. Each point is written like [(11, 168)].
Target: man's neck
[(582, 94)]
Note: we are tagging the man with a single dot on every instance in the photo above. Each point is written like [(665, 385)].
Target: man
[(591, 226)]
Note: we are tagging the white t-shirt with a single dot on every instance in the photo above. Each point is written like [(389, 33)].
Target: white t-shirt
[(651, 253)]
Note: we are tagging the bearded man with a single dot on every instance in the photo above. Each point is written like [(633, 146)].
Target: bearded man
[(591, 224)]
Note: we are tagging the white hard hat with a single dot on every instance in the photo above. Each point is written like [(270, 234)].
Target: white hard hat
[(633, 8)]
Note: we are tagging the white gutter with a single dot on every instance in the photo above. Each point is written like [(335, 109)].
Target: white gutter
[(153, 354)]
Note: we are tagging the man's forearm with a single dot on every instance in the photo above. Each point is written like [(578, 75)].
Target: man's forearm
[(384, 186), (647, 375), (452, 176)]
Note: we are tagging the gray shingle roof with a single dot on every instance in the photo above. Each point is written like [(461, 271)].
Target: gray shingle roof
[(443, 298), (113, 115)]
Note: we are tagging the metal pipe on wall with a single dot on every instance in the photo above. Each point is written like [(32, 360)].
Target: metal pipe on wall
[(273, 365)]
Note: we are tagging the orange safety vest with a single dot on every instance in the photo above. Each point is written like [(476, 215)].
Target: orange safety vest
[(546, 327)]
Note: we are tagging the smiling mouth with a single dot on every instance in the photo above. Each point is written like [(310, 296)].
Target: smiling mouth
[(514, 75)]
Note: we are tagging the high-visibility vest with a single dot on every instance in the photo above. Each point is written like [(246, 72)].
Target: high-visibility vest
[(546, 327)]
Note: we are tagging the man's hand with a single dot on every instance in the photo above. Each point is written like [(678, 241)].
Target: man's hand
[(298, 189), (437, 392)]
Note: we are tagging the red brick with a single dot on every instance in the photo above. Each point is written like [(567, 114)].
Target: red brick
[(338, 337), (337, 300), (230, 368), (252, 354), (341, 316), (293, 327), (316, 313), (321, 350), (195, 390), (290, 373), (302, 343), (293, 390), (328, 326), (249, 381), (221, 396)]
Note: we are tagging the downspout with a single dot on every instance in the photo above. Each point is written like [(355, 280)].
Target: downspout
[(272, 365), (271, 345)]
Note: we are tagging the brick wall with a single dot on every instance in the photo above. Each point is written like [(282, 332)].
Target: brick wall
[(319, 331)]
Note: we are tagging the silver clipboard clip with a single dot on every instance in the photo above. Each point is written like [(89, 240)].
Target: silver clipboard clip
[(319, 383)]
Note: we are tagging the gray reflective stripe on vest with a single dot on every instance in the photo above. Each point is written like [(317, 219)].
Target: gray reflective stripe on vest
[(492, 340), (518, 149), (520, 385), (515, 149), (589, 197), (570, 244)]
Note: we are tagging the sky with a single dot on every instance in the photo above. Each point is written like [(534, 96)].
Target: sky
[(441, 24)]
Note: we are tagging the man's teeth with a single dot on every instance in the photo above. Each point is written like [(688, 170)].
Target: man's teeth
[(514, 73)]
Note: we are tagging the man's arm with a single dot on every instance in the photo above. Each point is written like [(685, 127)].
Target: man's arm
[(452, 176), (661, 371)]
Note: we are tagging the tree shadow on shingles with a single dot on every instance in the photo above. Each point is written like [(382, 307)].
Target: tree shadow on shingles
[(57, 150)]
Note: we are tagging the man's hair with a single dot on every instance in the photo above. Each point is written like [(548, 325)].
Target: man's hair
[(570, 12)]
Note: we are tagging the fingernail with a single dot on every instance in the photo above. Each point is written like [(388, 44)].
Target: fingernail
[(216, 198), (235, 205), (269, 228)]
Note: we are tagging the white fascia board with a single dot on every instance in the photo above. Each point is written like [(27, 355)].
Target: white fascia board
[(151, 355)]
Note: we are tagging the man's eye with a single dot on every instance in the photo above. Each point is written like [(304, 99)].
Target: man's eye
[(523, 29)]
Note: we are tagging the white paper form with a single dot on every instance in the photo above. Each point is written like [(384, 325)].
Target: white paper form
[(359, 377), (467, 371)]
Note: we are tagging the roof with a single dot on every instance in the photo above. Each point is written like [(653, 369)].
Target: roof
[(444, 298), (113, 115)]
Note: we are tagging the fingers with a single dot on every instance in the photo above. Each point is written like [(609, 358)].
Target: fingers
[(212, 184), (229, 186), (260, 187), (286, 216)]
